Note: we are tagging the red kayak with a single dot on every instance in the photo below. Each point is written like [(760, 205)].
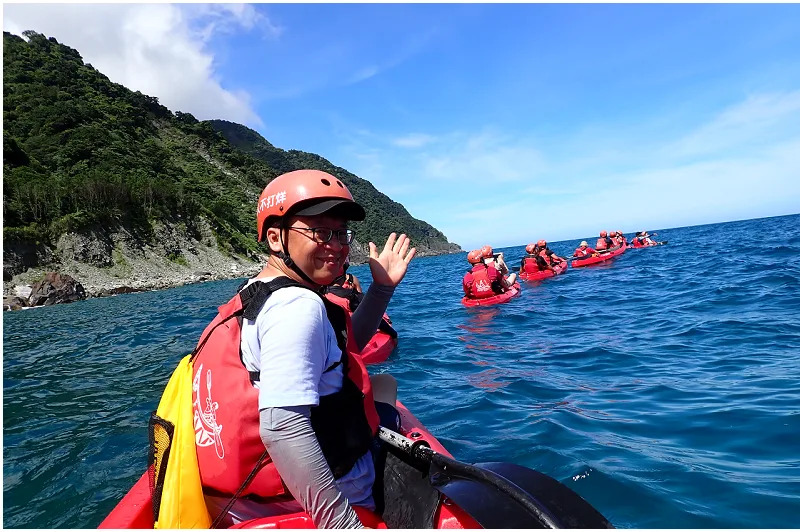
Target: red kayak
[(135, 509), (423, 486), (602, 257), (537, 276), (382, 344), (637, 244), (492, 300)]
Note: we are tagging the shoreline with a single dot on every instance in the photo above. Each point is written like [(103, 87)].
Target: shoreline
[(143, 276)]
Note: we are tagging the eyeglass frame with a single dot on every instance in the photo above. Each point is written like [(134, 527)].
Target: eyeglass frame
[(339, 232)]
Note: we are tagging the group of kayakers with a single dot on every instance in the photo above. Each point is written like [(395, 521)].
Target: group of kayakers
[(489, 274), (539, 258)]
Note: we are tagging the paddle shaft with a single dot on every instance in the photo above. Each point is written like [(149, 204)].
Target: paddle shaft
[(426, 454)]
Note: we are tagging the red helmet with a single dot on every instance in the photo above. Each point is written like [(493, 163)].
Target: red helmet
[(487, 251), (542, 243), (530, 248), (474, 256), (603, 234), (304, 192)]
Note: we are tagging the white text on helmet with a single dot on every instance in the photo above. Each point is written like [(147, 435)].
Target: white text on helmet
[(271, 201)]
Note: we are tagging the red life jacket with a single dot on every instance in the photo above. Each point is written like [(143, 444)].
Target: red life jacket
[(545, 256), (529, 265), (479, 284), (225, 402), (582, 252), (601, 243), (348, 281)]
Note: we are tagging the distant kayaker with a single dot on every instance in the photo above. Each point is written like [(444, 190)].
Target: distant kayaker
[(547, 254), (604, 242), (583, 250), (348, 280), (533, 262), (290, 405), (483, 280), (490, 258)]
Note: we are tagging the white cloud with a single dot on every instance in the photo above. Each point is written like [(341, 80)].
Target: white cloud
[(743, 162), (413, 140), (759, 119), (158, 49), (487, 157)]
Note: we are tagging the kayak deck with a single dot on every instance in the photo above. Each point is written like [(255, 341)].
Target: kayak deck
[(602, 257), (492, 300), (546, 274)]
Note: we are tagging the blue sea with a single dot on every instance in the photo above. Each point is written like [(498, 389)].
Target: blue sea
[(663, 386)]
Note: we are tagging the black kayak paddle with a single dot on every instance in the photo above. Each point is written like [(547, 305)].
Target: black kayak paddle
[(499, 494)]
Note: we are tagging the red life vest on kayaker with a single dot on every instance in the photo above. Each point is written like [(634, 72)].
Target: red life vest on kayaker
[(601, 243), (476, 282), (584, 252), (225, 402), (529, 265), (545, 256)]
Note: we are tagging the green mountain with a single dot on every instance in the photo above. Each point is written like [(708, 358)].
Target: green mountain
[(84, 155)]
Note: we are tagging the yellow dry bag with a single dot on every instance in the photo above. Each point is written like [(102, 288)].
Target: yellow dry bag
[(177, 493)]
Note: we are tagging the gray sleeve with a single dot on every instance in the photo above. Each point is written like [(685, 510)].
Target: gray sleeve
[(368, 315), (293, 446)]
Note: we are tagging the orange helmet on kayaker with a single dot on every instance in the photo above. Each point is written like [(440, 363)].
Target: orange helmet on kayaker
[(307, 193), (603, 234), (474, 256), (487, 251), (542, 243), (529, 249)]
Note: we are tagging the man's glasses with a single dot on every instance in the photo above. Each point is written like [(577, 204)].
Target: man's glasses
[(321, 235)]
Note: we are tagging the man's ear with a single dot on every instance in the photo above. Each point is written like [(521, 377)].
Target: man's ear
[(274, 239)]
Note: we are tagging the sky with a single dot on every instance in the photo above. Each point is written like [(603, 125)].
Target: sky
[(497, 124)]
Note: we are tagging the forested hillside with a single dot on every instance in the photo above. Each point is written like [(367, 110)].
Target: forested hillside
[(84, 155)]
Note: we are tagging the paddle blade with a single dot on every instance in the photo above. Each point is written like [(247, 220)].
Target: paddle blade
[(568, 509), (493, 507)]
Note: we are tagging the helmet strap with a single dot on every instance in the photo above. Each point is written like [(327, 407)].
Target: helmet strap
[(291, 264)]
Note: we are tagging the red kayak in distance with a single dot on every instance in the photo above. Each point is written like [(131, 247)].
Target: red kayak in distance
[(492, 300), (602, 257), (537, 276), (637, 245), (381, 344)]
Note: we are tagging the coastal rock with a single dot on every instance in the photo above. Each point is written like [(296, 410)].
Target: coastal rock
[(14, 303), (91, 247), (56, 288), (19, 255), (115, 291)]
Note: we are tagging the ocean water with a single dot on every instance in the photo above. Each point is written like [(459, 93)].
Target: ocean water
[(662, 386)]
